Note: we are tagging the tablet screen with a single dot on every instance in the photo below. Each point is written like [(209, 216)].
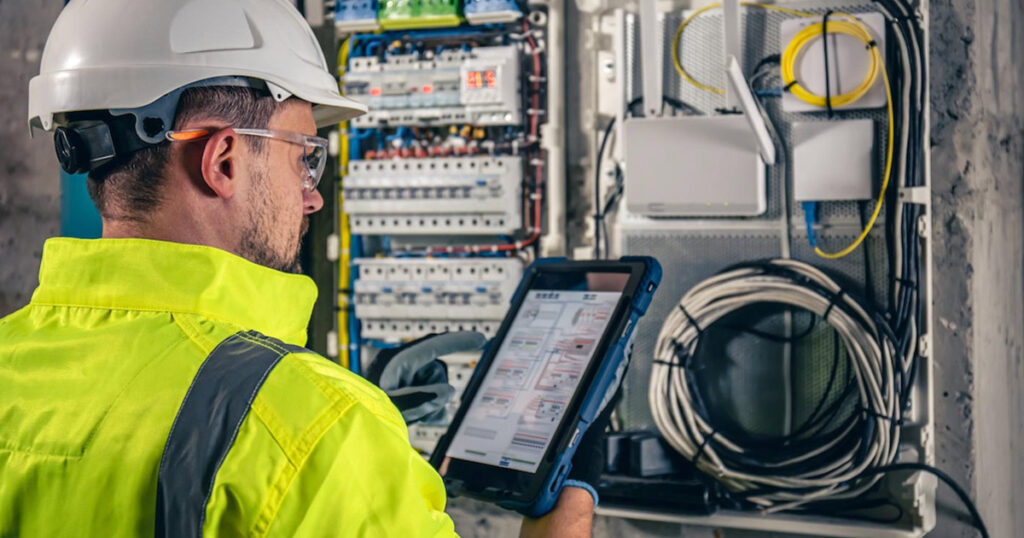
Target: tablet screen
[(549, 345)]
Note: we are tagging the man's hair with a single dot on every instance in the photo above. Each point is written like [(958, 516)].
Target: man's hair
[(131, 188)]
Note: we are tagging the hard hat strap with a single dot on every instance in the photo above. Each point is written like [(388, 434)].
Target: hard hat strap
[(91, 140)]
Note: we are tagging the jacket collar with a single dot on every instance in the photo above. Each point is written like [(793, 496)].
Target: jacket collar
[(146, 275)]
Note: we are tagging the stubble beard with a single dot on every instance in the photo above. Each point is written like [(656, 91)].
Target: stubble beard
[(256, 243)]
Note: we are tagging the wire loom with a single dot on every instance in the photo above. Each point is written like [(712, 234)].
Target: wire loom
[(824, 465)]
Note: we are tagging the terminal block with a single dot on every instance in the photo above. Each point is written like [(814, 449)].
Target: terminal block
[(479, 86), (492, 11), (435, 196), (404, 14), (355, 15)]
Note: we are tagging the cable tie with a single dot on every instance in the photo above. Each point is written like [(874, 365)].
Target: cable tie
[(703, 445), (832, 304), (907, 283), (876, 414), (670, 364), (680, 352), (790, 85), (871, 44), (692, 321)]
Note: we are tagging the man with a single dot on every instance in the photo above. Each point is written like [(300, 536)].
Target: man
[(155, 384)]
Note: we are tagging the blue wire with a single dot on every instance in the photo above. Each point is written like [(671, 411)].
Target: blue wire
[(771, 92), (811, 218), (354, 343), (380, 344)]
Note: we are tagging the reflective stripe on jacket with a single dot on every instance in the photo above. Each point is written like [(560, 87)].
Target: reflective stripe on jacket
[(94, 370)]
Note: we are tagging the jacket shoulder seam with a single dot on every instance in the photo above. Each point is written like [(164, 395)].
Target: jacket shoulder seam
[(297, 455)]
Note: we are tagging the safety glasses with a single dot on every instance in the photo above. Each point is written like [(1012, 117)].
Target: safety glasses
[(314, 148)]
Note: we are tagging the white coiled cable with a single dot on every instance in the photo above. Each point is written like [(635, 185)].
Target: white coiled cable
[(868, 348)]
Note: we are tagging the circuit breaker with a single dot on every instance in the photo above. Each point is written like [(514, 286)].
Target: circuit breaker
[(448, 195)]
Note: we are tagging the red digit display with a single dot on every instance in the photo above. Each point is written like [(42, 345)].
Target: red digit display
[(481, 79)]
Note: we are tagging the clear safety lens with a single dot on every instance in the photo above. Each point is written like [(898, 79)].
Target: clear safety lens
[(315, 160)]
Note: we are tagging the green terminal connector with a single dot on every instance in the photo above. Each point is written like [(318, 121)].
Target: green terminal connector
[(405, 14)]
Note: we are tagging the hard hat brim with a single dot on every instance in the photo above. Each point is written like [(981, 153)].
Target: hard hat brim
[(61, 91)]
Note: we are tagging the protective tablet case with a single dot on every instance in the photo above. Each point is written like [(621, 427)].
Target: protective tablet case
[(606, 381)]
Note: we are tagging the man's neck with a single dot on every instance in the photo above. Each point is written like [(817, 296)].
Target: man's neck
[(160, 226)]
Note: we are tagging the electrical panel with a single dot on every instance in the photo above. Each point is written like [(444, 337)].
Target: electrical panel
[(454, 181), (479, 86), (453, 195)]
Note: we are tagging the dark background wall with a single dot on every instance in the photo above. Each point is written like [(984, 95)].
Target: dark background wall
[(29, 180), (977, 145)]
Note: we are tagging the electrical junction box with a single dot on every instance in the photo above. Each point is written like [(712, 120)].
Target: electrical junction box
[(479, 86), (693, 167), (430, 196), (848, 63), (405, 14), (833, 160)]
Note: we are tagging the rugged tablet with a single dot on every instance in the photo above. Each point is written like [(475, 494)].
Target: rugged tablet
[(557, 359)]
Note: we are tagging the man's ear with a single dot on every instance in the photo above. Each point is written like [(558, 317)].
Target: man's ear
[(221, 163)]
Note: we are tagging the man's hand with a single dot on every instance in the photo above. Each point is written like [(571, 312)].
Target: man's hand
[(572, 516), (414, 378)]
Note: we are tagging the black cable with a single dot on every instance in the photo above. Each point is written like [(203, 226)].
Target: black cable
[(828, 82), (681, 106), (598, 214), (767, 60), (869, 281), (941, 475)]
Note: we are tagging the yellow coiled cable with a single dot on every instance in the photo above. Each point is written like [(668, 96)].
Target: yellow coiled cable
[(851, 27)]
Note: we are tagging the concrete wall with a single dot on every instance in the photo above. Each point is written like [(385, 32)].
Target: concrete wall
[(29, 174), (977, 49), (977, 144)]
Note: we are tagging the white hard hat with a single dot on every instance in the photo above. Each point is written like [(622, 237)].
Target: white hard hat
[(126, 54)]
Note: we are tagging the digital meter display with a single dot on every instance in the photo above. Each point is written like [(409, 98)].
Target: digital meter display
[(481, 79)]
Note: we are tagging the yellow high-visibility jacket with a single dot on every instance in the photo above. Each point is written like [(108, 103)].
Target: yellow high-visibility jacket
[(95, 369)]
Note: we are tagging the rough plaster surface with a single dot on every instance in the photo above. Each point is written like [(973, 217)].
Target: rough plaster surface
[(977, 57), (29, 176)]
